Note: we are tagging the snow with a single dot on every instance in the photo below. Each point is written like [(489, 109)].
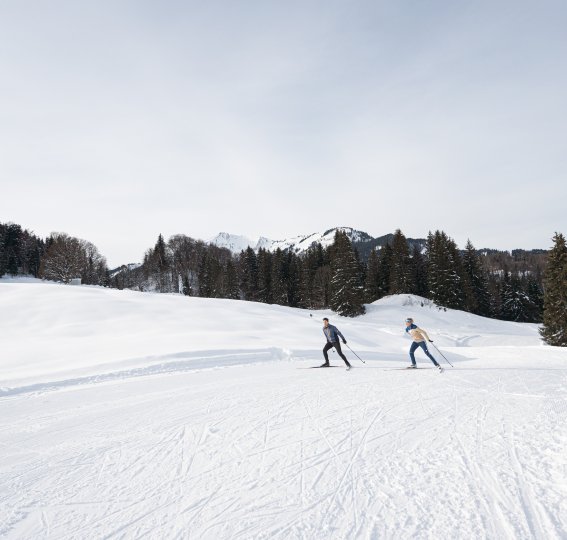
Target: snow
[(128, 415)]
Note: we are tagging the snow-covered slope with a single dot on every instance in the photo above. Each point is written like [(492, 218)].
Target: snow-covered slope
[(127, 415), (298, 243)]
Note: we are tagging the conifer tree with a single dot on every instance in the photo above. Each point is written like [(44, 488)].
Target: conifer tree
[(293, 278), (249, 274), (400, 265), (444, 271), (385, 269), (279, 282), (515, 302), (477, 298), (264, 276), (554, 329), (372, 290), (535, 299), (230, 289), (313, 259), (347, 294), (419, 270)]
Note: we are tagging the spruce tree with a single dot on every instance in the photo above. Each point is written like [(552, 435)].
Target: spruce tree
[(535, 299), (231, 289), (347, 293), (279, 278), (444, 271), (249, 274), (400, 266), (264, 276), (477, 298), (293, 278), (385, 269), (372, 281), (554, 329), (419, 269)]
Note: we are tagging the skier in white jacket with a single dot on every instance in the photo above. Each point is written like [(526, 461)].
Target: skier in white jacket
[(419, 336)]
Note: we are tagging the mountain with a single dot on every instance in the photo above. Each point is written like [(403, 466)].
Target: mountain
[(299, 244)]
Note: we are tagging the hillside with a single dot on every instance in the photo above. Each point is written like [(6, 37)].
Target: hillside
[(127, 414)]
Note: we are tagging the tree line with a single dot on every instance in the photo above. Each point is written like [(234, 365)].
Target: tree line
[(59, 257), (337, 277), (518, 286)]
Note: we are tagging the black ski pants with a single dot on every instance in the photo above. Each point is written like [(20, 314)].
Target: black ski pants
[(337, 347)]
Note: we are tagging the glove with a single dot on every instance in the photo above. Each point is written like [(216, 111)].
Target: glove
[(344, 341), (430, 341)]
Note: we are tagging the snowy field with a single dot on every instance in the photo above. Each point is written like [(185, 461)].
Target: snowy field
[(131, 415)]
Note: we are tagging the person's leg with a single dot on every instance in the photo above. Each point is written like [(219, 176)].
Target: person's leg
[(414, 346), (337, 346), (325, 349), (427, 353)]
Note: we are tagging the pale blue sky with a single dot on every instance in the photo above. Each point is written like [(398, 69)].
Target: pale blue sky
[(121, 120)]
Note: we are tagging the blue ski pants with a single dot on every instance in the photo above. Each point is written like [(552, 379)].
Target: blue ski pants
[(423, 345)]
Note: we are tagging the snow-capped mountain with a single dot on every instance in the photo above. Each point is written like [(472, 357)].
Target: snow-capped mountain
[(237, 243), (120, 269)]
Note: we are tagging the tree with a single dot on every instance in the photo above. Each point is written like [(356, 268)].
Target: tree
[(554, 329), (477, 298), (372, 290), (68, 257), (249, 274), (400, 266), (347, 293), (264, 276), (230, 289), (444, 271), (419, 272)]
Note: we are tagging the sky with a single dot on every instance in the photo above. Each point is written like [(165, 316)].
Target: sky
[(122, 120)]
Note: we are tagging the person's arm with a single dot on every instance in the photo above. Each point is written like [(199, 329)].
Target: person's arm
[(424, 334), (340, 335)]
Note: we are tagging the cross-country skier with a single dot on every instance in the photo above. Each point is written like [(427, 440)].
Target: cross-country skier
[(332, 333), (419, 335)]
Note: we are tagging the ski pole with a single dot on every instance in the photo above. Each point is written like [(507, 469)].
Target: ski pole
[(355, 353), (442, 354)]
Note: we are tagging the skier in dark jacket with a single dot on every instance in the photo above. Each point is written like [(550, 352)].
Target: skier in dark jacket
[(332, 333)]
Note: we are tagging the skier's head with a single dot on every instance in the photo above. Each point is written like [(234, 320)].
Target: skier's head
[(326, 322), (409, 321)]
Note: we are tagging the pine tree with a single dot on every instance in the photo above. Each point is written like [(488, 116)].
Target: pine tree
[(385, 269), (347, 293), (535, 300), (477, 298), (264, 276), (372, 290), (249, 274), (400, 266), (515, 301), (554, 329), (444, 271), (279, 278), (419, 269), (230, 289)]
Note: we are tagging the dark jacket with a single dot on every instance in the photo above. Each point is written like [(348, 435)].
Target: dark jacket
[(332, 334)]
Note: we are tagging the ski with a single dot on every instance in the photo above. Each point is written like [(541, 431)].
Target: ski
[(402, 368), (317, 367)]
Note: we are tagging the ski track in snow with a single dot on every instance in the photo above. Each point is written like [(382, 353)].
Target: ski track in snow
[(321, 454), (127, 415)]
